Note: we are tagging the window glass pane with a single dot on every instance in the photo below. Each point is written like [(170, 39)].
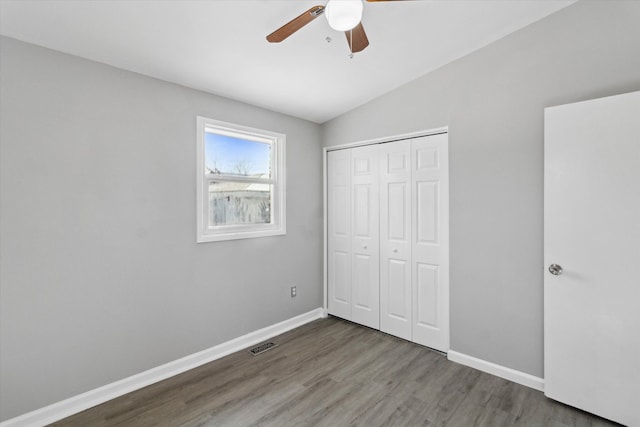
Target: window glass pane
[(236, 156), (239, 203)]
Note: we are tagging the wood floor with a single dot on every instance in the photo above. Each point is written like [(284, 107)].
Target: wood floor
[(335, 373)]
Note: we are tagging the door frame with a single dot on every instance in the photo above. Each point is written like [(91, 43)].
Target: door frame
[(382, 140)]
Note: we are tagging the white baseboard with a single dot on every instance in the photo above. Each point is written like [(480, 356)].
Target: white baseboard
[(75, 404), (528, 380)]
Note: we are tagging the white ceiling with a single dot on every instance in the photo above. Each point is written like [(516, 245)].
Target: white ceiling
[(219, 46)]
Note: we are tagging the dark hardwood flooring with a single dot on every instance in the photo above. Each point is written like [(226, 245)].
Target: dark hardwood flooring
[(334, 373)]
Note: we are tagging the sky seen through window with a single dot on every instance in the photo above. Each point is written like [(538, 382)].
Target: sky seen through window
[(236, 156)]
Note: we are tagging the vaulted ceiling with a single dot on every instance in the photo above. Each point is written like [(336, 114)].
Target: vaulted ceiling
[(219, 46)]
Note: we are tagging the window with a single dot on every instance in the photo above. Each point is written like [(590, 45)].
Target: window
[(241, 191)]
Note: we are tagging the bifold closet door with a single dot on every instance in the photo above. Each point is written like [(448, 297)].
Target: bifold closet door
[(430, 248), (339, 233), (353, 235), (388, 238), (365, 240), (395, 239)]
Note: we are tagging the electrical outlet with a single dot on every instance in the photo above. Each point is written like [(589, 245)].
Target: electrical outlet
[(294, 292)]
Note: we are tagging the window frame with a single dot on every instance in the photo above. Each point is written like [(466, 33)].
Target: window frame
[(206, 233)]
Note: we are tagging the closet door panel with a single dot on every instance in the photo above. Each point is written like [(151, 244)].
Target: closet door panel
[(430, 247), (427, 295), (339, 233), (341, 276), (395, 239), (365, 247), (427, 212), (365, 298), (397, 195), (397, 293)]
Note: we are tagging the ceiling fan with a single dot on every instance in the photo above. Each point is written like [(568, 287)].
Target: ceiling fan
[(342, 15)]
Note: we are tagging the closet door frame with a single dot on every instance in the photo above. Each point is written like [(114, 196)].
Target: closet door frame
[(325, 150)]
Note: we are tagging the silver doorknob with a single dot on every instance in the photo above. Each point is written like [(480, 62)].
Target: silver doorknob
[(395, 251), (364, 246), (555, 269)]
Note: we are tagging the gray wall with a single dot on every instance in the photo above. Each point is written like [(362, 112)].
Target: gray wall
[(101, 276), (493, 102)]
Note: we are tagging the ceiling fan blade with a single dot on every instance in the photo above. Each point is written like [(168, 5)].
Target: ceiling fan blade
[(295, 24), (357, 38)]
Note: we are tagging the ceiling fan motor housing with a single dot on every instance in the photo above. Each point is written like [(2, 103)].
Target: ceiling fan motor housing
[(343, 15)]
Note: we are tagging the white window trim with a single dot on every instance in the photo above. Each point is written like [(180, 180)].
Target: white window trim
[(215, 234)]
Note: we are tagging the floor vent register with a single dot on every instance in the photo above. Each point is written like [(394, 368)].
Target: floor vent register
[(259, 349)]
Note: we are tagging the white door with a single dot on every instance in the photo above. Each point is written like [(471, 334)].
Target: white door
[(365, 237), (592, 231), (430, 248), (395, 238), (339, 233)]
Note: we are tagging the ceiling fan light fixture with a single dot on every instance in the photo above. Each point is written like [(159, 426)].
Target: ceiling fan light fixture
[(343, 15)]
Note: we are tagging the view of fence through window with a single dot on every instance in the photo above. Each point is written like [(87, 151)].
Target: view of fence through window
[(241, 192)]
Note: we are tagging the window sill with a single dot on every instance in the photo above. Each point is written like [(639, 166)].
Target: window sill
[(236, 235)]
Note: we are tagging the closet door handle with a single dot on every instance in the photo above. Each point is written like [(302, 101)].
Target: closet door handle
[(395, 251), (364, 246)]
